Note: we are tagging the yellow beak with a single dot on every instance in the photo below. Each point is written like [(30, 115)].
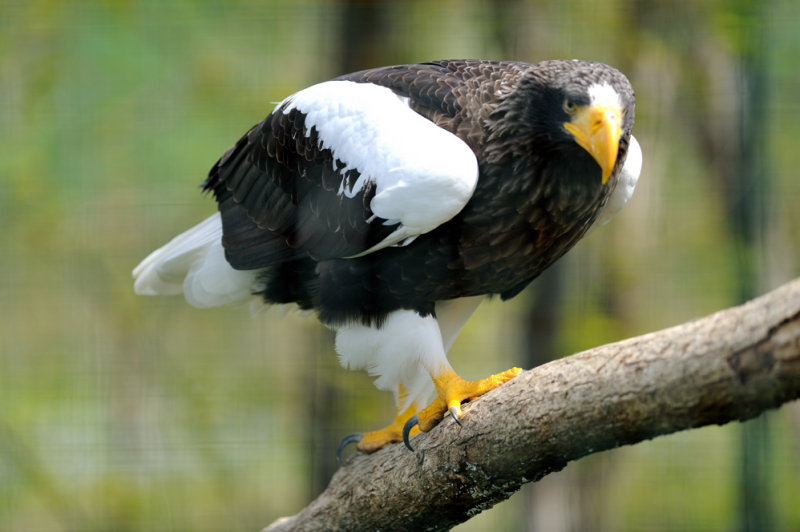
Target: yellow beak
[(597, 129)]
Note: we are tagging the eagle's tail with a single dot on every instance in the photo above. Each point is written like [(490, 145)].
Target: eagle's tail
[(193, 263)]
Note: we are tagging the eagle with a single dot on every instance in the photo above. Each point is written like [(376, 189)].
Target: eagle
[(392, 201)]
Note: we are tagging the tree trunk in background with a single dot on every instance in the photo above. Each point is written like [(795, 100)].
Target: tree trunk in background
[(362, 25), (547, 502), (726, 78), (323, 416), (731, 130), (748, 185), (362, 34)]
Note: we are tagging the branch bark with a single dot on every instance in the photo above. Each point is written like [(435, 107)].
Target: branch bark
[(731, 365)]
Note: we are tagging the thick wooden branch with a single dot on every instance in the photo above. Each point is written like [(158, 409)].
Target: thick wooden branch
[(728, 366)]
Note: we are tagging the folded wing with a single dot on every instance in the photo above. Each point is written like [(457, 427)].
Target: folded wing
[(337, 170)]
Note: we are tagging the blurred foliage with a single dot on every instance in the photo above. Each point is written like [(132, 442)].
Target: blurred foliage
[(125, 413)]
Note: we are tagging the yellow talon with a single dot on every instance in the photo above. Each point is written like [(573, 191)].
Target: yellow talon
[(372, 441), (453, 390)]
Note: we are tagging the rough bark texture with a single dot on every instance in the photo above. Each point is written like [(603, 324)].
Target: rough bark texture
[(728, 366)]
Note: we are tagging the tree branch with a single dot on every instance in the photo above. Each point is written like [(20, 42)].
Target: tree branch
[(728, 366)]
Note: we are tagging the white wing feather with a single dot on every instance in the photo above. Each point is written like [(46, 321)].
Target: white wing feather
[(423, 174)]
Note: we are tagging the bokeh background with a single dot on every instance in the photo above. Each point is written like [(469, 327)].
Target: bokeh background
[(124, 413)]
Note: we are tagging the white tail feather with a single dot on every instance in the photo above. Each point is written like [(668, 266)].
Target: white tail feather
[(193, 263)]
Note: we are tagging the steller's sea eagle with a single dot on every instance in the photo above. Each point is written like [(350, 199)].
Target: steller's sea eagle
[(391, 201)]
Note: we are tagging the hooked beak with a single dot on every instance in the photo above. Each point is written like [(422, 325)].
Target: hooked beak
[(597, 129)]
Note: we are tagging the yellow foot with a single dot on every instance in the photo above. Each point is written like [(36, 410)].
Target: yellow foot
[(369, 442), (452, 391)]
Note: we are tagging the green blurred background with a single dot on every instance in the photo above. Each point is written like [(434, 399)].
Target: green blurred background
[(121, 413)]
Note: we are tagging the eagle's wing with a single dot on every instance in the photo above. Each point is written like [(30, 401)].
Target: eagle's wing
[(337, 170)]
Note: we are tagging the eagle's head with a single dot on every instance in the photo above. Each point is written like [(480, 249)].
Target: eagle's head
[(577, 115)]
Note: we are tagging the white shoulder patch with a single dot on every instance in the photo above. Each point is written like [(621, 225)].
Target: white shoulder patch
[(423, 174)]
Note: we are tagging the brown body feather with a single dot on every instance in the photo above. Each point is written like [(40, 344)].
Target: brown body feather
[(537, 193)]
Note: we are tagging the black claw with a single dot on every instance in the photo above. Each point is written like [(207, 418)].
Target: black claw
[(410, 424), (350, 438), (454, 414)]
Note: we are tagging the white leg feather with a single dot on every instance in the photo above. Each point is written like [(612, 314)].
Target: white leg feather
[(406, 350)]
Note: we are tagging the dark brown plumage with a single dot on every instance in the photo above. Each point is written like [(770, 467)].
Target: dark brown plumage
[(537, 193)]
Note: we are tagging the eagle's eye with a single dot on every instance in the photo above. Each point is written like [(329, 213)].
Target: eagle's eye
[(569, 106)]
